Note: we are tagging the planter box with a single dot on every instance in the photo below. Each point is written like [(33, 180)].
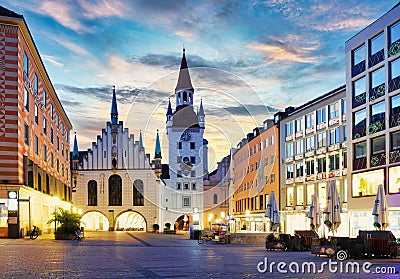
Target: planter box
[(59, 236)]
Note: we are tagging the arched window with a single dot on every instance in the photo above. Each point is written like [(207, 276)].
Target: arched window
[(185, 96), (115, 190), (215, 199), (92, 193), (138, 198)]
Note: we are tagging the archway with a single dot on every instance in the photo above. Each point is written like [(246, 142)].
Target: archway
[(182, 222), (130, 221), (95, 221)]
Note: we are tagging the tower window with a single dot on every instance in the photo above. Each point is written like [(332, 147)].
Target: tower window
[(178, 186), (192, 160), (185, 96), (193, 186), (186, 186), (192, 145), (105, 154), (179, 145)]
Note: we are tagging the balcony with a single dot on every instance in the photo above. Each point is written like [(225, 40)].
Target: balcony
[(376, 58), (376, 126), (358, 69), (359, 132), (394, 48), (377, 92), (378, 160), (359, 100), (394, 156), (360, 163), (394, 84)]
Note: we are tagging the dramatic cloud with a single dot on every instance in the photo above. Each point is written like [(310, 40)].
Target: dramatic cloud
[(52, 60)]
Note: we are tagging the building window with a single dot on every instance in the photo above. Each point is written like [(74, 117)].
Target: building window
[(321, 140), (334, 136), (44, 98), (272, 159), (321, 165), (299, 147), (36, 83), (51, 111), (115, 190), (57, 120), (193, 160), (186, 186), (26, 99), (310, 167), (394, 33), (360, 150), (344, 133), (395, 141), (343, 106), (376, 44), (359, 123), (321, 115), (310, 143), (289, 151), (272, 179), (26, 134), (26, 64), (261, 202), (299, 169), (300, 194), (394, 73), (178, 186), (289, 172), (378, 145), (272, 140), (299, 125), (309, 120), (289, 196), (179, 145), (334, 162), (192, 145), (44, 126), (51, 160), (358, 55), (378, 114), (62, 149), (92, 193), (36, 145), (36, 114), (215, 199), (193, 186), (193, 173), (138, 197), (310, 193), (345, 159), (44, 153), (334, 110), (179, 159), (288, 129), (322, 193), (377, 77), (51, 135), (58, 143), (395, 105), (185, 201), (359, 91)]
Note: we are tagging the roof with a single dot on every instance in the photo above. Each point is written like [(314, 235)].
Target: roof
[(184, 81), (185, 117), (9, 13)]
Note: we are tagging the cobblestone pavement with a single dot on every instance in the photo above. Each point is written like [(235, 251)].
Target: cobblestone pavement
[(147, 255)]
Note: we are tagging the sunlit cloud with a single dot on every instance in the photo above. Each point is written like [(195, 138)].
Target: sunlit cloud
[(71, 46), (103, 8), (52, 60)]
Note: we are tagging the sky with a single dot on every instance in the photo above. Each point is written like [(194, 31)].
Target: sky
[(247, 59)]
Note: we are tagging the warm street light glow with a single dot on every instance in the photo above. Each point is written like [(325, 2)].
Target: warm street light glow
[(247, 212), (80, 211), (74, 209), (222, 215)]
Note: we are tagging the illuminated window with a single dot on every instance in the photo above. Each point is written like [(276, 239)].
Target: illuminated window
[(310, 193), (289, 196), (300, 195), (366, 183)]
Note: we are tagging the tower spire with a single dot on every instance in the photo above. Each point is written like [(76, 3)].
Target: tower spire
[(140, 140), (184, 82), (201, 110), (169, 110), (75, 153), (157, 152), (114, 109)]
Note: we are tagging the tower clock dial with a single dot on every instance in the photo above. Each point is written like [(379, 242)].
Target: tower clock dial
[(186, 136)]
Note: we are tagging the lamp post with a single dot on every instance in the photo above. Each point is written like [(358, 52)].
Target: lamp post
[(56, 203)]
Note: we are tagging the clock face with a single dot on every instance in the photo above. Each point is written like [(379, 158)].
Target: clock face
[(185, 136)]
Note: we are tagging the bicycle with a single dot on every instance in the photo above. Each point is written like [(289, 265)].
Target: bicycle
[(34, 233)]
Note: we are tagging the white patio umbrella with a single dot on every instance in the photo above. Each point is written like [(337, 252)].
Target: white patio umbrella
[(272, 212), (379, 210), (333, 209), (315, 213)]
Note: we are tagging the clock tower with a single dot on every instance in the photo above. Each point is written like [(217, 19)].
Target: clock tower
[(187, 152)]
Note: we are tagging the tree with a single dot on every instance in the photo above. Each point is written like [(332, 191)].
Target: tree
[(68, 222)]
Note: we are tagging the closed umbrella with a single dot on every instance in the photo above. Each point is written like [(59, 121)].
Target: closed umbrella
[(315, 213), (333, 209), (379, 211), (272, 212)]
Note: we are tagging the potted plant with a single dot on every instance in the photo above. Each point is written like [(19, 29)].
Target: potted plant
[(362, 187), (67, 223)]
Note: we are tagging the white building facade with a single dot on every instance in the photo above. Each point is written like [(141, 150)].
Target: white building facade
[(113, 182)]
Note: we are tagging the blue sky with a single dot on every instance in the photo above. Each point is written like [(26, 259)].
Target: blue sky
[(247, 58)]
